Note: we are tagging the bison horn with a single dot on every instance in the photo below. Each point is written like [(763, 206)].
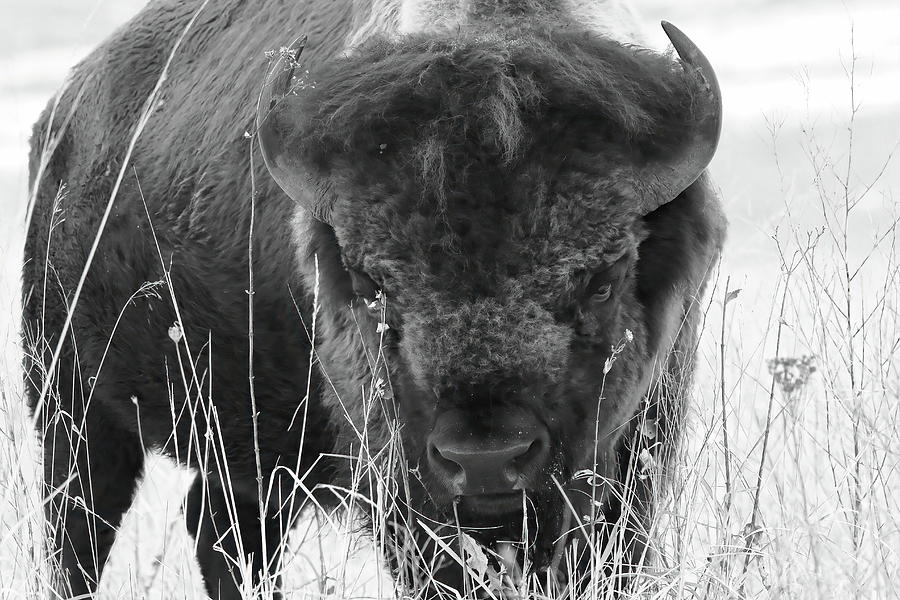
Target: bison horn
[(274, 130), (666, 181)]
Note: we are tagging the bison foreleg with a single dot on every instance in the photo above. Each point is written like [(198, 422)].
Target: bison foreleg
[(230, 538), (91, 469)]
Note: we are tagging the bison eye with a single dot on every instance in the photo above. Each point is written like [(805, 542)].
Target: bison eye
[(602, 294), (363, 285), (599, 288)]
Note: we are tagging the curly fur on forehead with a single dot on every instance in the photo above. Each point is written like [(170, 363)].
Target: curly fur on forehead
[(430, 96), (484, 166)]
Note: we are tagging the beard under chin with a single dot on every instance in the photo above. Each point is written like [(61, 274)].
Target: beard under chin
[(542, 536), (536, 525)]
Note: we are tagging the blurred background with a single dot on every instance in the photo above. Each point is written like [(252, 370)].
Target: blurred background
[(812, 110), (783, 66)]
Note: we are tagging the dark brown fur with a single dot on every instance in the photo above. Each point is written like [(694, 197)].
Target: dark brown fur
[(478, 180), (430, 97)]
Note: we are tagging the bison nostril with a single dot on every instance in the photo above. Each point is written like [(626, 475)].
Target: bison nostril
[(446, 467), (523, 461)]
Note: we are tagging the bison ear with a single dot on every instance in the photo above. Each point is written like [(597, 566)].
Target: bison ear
[(662, 182), (275, 132)]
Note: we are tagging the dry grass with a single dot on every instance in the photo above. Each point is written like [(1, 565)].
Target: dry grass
[(788, 483)]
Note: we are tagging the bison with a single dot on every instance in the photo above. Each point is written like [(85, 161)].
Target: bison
[(447, 258)]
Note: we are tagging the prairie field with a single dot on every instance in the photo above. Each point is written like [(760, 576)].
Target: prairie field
[(788, 482)]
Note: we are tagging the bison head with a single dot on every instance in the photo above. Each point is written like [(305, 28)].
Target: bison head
[(496, 190)]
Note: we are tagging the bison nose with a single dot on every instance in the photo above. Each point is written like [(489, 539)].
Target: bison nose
[(490, 461)]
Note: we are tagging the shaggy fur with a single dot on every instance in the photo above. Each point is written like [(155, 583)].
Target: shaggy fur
[(480, 180), (492, 91)]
